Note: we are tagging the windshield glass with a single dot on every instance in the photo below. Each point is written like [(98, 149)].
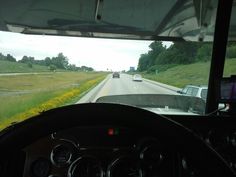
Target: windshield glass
[(229, 68), (44, 72)]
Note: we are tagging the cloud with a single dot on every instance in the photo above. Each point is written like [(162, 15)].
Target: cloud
[(100, 54)]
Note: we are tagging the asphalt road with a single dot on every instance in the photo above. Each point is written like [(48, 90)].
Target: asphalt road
[(125, 85)]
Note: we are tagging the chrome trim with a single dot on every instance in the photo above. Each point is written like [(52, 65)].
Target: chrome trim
[(55, 163)]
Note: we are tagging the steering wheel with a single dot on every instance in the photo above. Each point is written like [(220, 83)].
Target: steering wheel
[(169, 132)]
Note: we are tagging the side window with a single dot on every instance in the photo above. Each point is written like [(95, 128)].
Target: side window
[(204, 94), (189, 91), (194, 92), (185, 90)]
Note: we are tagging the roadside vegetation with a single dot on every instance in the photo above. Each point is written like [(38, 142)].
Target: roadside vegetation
[(15, 67), (196, 74), (29, 64), (49, 83), (23, 96), (182, 63)]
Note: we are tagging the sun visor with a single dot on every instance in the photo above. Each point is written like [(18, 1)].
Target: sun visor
[(168, 20)]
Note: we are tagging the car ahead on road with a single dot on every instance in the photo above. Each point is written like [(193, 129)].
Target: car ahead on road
[(116, 75), (195, 91), (137, 77), (134, 134)]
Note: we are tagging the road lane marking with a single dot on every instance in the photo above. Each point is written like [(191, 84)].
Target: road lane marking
[(104, 90)]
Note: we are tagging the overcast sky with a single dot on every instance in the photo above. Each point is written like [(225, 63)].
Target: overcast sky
[(101, 54)]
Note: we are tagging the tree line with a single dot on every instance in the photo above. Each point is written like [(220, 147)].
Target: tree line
[(159, 58), (53, 63)]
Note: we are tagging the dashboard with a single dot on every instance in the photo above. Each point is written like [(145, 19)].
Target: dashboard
[(134, 143), (99, 152), (110, 151), (218, 132)]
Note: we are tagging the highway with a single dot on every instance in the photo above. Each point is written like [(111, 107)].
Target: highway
[(125, 85)]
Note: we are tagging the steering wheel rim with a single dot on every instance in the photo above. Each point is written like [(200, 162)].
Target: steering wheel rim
[(167, 131)]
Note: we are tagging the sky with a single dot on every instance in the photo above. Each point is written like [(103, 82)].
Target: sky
[(101, 54)]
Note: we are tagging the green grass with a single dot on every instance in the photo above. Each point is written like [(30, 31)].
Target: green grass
[(14, 67), (25, 93), (196, 74), (20, 103), (230, 67)]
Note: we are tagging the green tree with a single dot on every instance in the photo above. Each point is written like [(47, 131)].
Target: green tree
[(60, 61), (166, 57), (10, 58), (2, 57), (143, 62), (85, 68), (156, 49), (204, 52), (26, 59), (48, 61), (52, 67), (185, 52), (149, 59), (72, 67), (178, 53)]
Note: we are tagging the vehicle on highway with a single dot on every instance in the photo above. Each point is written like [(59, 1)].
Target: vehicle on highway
[(131, 130), (195, 91), (137, 77), (116, 75)]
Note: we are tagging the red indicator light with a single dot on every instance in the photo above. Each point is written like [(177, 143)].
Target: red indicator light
[(111, 131)]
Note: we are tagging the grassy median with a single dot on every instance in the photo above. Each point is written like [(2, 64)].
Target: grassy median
[(23, 96)]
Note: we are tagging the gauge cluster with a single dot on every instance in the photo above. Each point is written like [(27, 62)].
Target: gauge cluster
[(63, 154), (117, 152)]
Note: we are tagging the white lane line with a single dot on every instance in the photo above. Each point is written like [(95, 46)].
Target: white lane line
[(87, 98)]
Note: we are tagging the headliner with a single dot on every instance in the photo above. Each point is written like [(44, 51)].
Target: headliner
[(192, 20)]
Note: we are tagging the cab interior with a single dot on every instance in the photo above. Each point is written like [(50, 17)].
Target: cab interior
[(115, 140)]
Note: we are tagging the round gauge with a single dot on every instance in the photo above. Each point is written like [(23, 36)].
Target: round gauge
[(61, 155), (85, 166), (40, 168), (151, 155), (152, 160), (126, 166)]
